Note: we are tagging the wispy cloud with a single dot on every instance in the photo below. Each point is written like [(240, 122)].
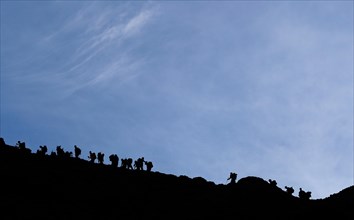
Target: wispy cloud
[(96, 38), (137, 22)]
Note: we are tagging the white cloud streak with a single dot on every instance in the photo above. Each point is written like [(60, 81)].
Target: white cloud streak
[(95, 38), (137, 22)]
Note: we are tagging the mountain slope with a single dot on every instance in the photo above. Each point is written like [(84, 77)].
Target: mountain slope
[(51, 187)]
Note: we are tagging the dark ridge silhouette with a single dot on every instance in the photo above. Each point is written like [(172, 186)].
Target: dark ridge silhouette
[(64, 186)]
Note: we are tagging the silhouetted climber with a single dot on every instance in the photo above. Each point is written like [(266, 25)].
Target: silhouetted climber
[(100, 157), (139, 163), (149, 165), (68, 154), (22, 147), (232, 178), (92, 157), (45, 149), (304, 195), (123, 163), (77, 151), (2, 142), (114, 160), (289, 190), (60, 151), (127, 163), (272, 182), (42, 150)]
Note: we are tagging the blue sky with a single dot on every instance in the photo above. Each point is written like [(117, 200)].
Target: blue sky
[(200, 88)]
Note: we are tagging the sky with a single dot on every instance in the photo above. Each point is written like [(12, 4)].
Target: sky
[(200, 88)]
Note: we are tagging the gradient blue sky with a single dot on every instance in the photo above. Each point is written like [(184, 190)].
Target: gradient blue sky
[(200, 88)]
